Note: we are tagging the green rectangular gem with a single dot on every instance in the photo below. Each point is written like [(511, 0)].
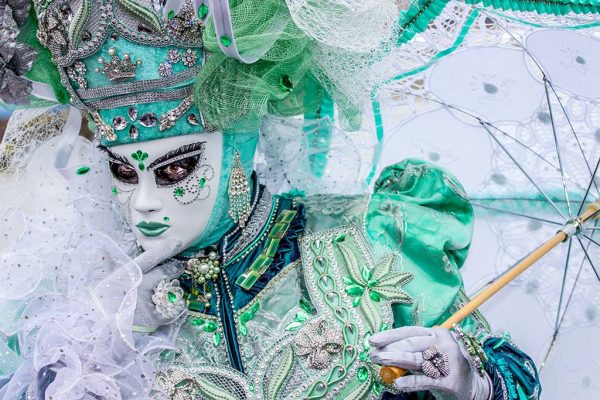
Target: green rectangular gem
[(287, 216), (278, 230), (258, 263), (266, 265), (271, 246), (196, 306), (249, 281)]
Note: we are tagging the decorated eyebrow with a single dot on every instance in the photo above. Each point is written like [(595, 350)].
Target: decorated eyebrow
[(179, 153), (114, 157)]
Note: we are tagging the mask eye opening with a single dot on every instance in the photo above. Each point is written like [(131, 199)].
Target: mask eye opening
[(166, 175), (123, 172)]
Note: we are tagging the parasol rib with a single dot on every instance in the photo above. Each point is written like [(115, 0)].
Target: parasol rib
[(558, 154), (587, 191), (389, 374), (562, 286), (515, 213), (509, 154), (589, 259)]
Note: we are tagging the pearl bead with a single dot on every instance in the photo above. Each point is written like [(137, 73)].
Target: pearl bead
[(203, 268)]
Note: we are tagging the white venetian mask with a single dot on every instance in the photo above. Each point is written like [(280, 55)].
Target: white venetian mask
[(169, 186)]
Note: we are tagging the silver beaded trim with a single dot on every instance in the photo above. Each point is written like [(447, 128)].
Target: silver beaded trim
[(168, 119), (139, 86), (258, 219), (143, 98)]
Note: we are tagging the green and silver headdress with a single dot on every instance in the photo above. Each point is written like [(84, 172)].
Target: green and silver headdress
[(129, 68), (149, 69)]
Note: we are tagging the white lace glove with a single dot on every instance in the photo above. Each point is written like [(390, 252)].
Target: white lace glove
[(410, 346), (154, 308)]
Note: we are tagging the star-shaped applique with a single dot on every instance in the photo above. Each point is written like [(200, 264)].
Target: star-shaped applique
[(368, 286)]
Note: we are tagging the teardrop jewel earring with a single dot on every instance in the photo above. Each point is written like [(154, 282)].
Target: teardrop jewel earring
[(239, 193)]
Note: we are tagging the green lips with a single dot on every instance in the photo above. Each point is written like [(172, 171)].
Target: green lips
[(152, 228)]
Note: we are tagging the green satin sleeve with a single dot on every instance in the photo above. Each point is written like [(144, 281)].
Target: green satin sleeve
[(420, 211)]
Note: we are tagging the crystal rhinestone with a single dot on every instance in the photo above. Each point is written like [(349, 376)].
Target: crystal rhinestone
[(65, 11), (80, 67), (189, 57), (286, 83), (114, 36), (86, 36), (132, 113), (225, 40), (173, 56), (119, 123), (165, 69), (202, 11), (134, 132), (148, 120), (192, 119)]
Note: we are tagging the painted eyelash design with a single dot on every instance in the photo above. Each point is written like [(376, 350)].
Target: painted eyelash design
[(180, 153), (116, 158)]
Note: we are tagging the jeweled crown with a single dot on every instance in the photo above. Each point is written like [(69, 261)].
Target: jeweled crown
[(117, 68)]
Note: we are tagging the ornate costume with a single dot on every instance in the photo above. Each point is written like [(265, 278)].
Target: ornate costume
[(278, 296)]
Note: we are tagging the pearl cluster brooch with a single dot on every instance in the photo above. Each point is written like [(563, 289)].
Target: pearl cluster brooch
[(204, 268)]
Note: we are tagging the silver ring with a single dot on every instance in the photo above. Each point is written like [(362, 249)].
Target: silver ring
[(435, 363)]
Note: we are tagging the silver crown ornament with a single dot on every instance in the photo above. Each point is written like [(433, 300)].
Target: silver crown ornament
[(117, 68)]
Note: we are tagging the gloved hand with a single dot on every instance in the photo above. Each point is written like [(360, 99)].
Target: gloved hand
[(409, 347), (147, 319)]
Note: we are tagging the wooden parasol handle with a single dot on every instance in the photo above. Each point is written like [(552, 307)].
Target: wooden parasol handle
[(390, 374)]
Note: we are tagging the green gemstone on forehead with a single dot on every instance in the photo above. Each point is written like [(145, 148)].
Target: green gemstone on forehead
[(139, 155), (166, 219), (141, 166), (179, 191), (82, 170), (226, 40), (202, 11)]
